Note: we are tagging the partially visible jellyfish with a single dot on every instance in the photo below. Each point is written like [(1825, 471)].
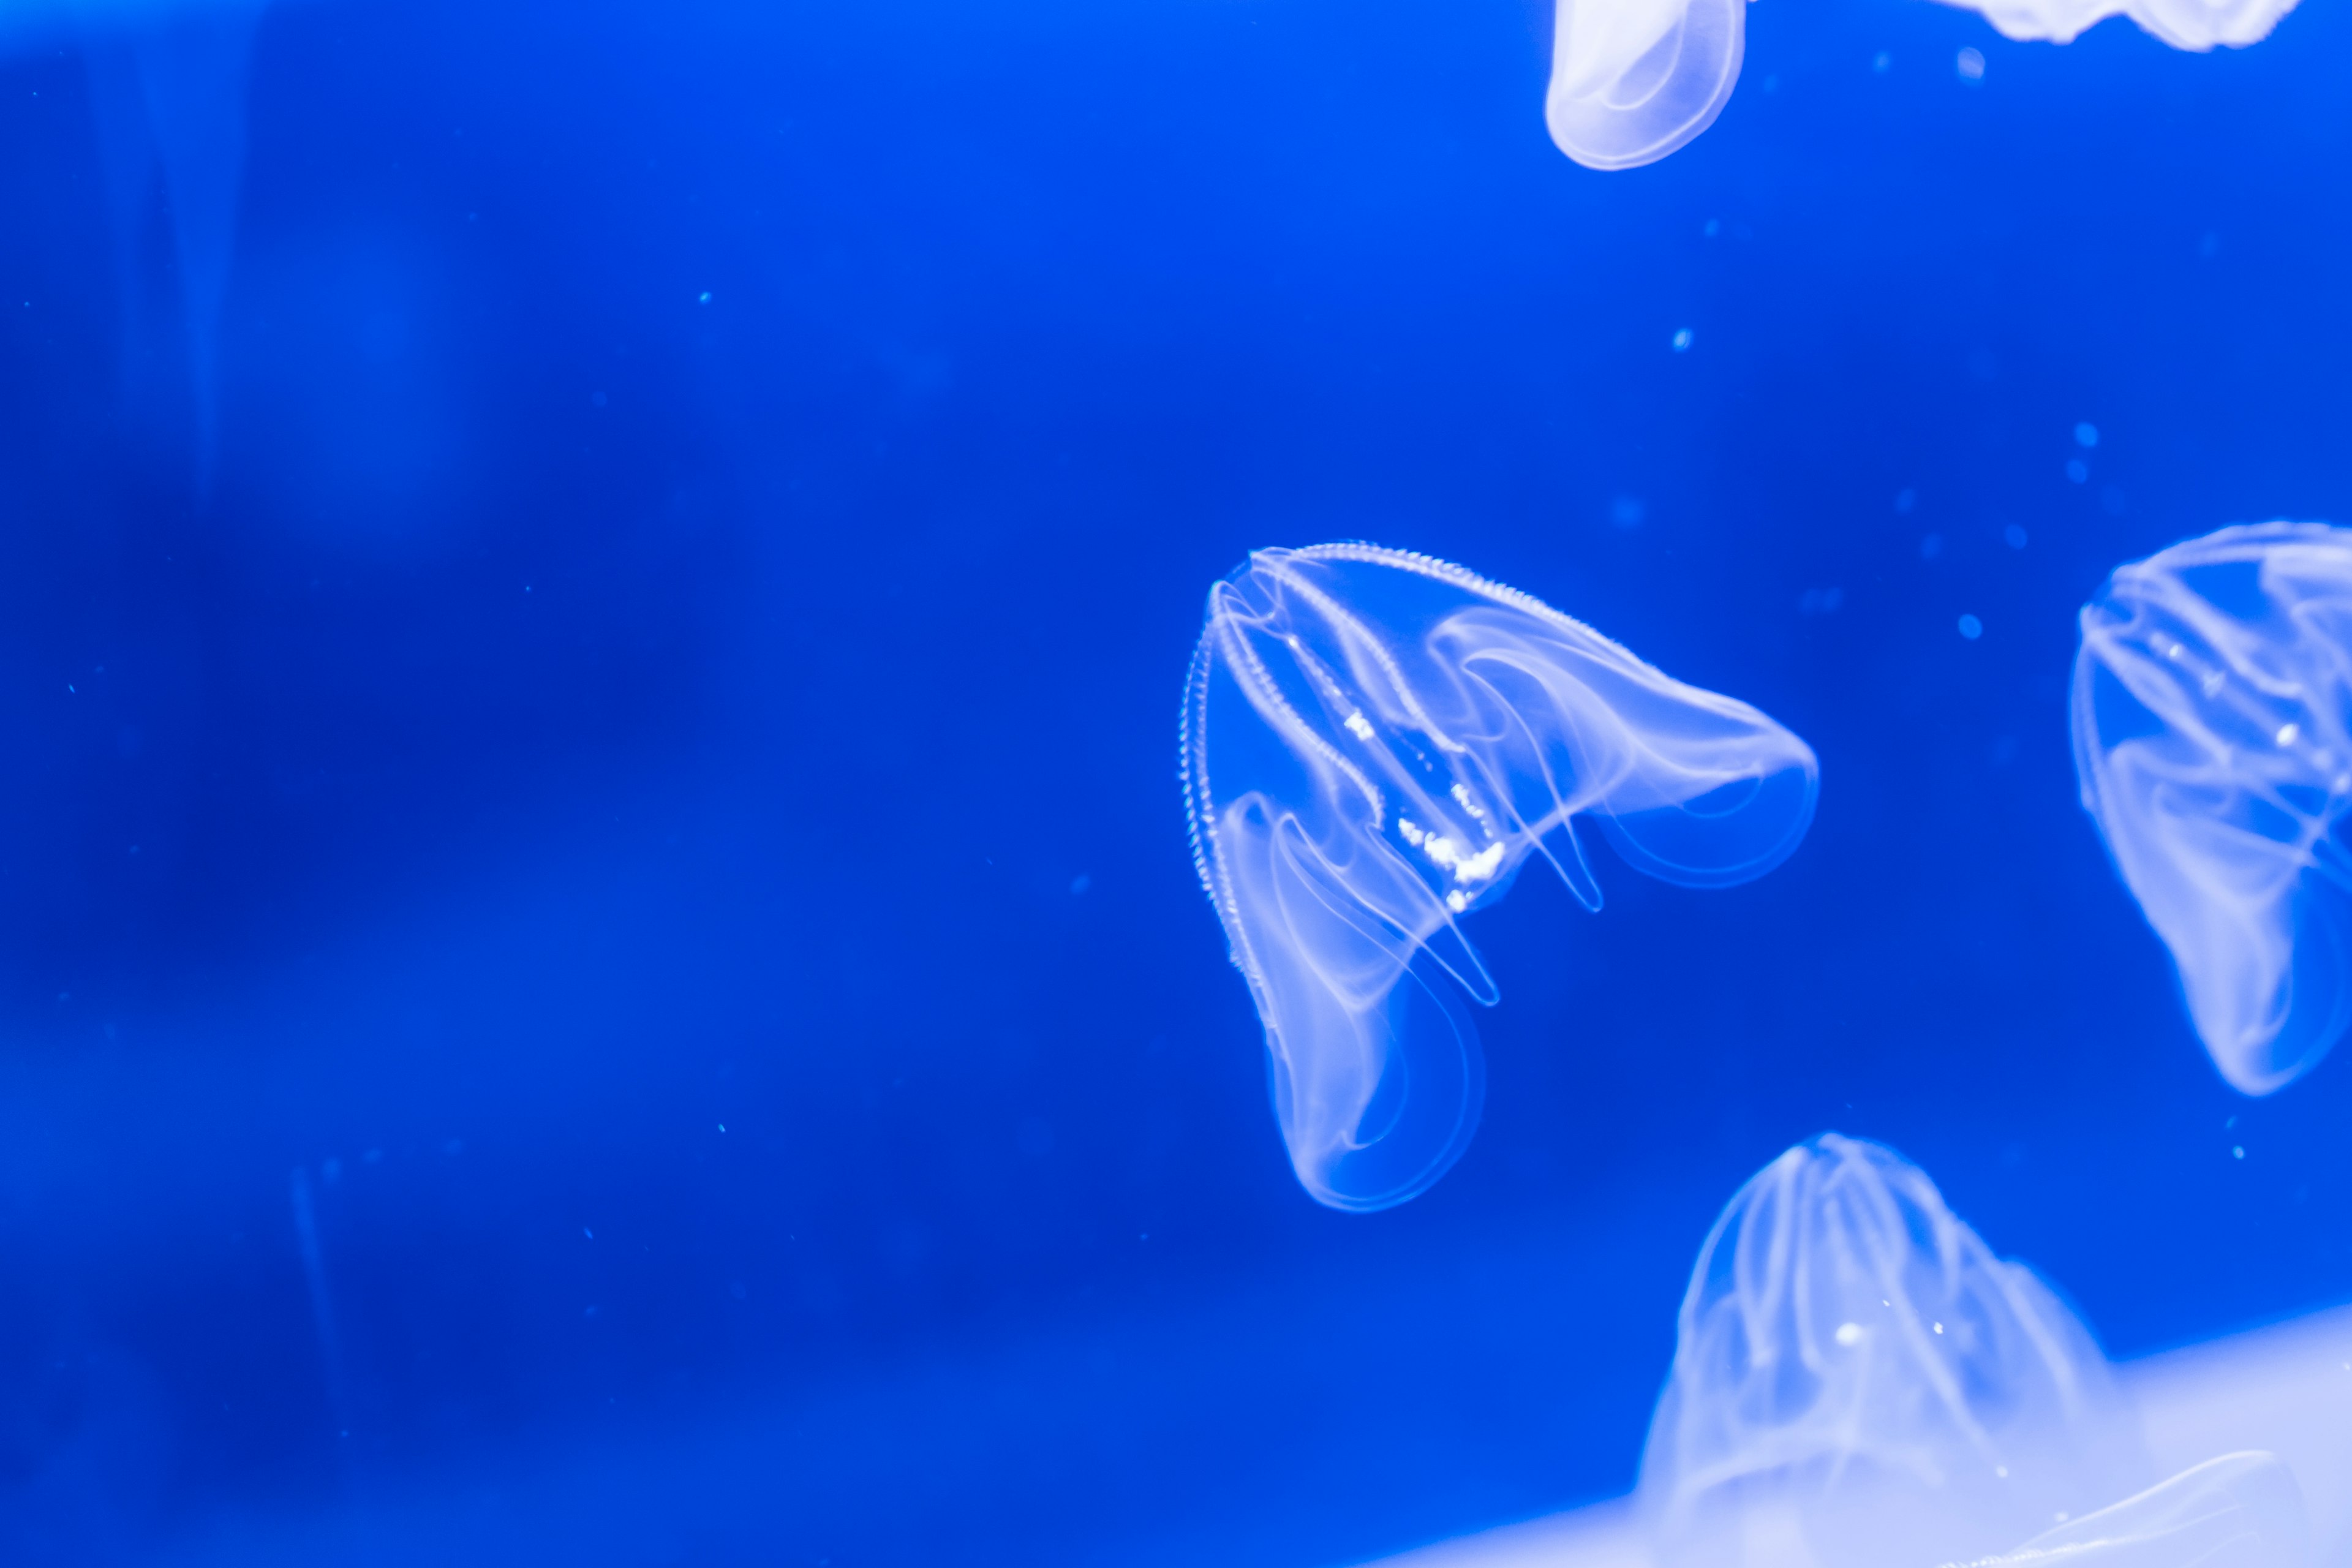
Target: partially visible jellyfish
[(2197, 24), (1858, 1382), (2212, 722), (1633, 80), (1374, 742), (2241, 1510), (167, 88)]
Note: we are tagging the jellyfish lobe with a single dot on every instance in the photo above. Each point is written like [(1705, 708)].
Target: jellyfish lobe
[(2240, 1510), (2193, 25), (1631, 80), (1374, 744)]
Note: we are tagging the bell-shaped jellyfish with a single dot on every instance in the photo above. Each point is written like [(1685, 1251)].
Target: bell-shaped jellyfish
[(1373, 743), (1860, 1383), (2212, 695), (2241, 1510), (2197, 24), (1633, 80)]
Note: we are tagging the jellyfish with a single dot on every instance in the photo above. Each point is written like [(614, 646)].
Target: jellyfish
[(1858, 1382), (167, 89), (2240, 1510), (1373, 743), (2212, 722), (2194, 25), (1631, 80)]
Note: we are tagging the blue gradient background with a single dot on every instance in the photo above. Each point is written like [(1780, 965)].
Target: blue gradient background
[(581, 716)]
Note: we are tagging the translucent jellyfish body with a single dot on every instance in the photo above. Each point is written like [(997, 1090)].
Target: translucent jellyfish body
[(2241, 1510), (1860, 1383), (1633, 80), (2211, 698), (1374, 742), (2198, 25)]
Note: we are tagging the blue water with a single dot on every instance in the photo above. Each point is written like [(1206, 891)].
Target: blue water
[(598, 956)]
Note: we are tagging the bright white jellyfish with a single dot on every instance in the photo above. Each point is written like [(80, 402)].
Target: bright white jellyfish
[(1859, 1383), (2212, 698), (1373, 743), (1633, 80), (2241, 1510), (2196, 24)]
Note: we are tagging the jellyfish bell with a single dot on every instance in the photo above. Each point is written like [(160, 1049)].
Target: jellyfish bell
[(2213, 726), (1374, 744), (2196, 25), (1631, 80), (1860, 1382)]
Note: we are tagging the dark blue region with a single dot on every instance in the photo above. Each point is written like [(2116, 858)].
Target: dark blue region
[(598, 958)]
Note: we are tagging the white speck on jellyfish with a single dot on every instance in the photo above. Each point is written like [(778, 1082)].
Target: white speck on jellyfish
[(1849, 1334), (1359, 727), (1346, 933), (2287, 732), (1937, 1326), (1970, 65), (1682, 339)]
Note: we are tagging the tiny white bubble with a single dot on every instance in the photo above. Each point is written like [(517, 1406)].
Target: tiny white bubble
[(1682, 339)]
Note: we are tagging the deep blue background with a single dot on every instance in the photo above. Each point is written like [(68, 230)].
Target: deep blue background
[(580, 716)]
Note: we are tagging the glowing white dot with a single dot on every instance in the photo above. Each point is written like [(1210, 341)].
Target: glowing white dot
[(2287, 732), (1849, 1334), (1682, 339), (1937, 1326)]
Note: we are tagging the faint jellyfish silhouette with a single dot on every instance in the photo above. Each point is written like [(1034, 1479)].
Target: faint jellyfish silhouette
[(1373, 743), (2194, 25), (1860, 1383), (167, 88), (1631, 80), (2211, 704), (2241, 1510)]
